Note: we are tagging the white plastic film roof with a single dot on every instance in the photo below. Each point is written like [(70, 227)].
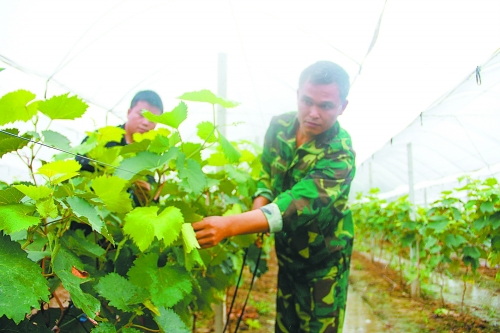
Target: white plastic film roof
[(401, 56), (457, 135)]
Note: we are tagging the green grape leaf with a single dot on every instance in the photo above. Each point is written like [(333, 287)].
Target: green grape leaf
[(170, 285), (175, 138), (47, 208), (120, 292), (104, 327), (14, 106), (65, 264), (81, 246), (142, 225), (208, 97), (135, 147), (495, 220), (10, 196), (168, 225), (109, 134), (487, 207), (82, 208), (173, 118), (159, 145), (217, 159), (130, 330), (455, 240), (194, 176), (10, 143), (193, 150), (192, 258), (238, 175), (63, 107), (232, 154), (170, 322), (35, 192), (57, 140), (144, 161), (480, 223), (139, 273), (139, 226), (471, 251), (16, 217), (189, 238), (491, 181), (21, 281), (2, 69), (111, 191), (151, 135), (206, 132), (60, 171), (438, 226), (495, 243), (167, 285)]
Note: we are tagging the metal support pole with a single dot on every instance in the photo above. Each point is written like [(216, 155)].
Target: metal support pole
[(220, 119)]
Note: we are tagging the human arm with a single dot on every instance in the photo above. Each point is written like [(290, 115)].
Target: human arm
[(213, 229)]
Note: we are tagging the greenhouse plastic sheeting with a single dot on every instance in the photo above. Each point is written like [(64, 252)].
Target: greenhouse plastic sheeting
[(401, 56), (458, 135)]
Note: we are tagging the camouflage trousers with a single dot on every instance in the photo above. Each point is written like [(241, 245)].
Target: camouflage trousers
[(314, 301)]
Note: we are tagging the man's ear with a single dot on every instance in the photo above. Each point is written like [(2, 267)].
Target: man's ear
[(344, 105)]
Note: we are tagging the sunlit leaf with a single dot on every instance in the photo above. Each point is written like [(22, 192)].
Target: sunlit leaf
[(143, 224), (21, 281), (56, 139), (139, 226), (10, 196), (14, 106), (189, 238), (60, 171), (217, 159), (35, 192), (15, 217), (487, 207), (47, 208), (10, 143), (109, 134), (173, 118), (168, 225), (208, 97), (63, 107), (111, 190), (151, 135), (104, 327), (206, 132)]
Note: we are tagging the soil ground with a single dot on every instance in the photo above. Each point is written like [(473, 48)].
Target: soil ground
[(377, 303)]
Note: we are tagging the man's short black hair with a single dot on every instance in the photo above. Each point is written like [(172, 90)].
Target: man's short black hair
[(326, 72), (148, 96)]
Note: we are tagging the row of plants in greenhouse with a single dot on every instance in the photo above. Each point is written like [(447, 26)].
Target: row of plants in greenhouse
[(127, 267), (452, 237)]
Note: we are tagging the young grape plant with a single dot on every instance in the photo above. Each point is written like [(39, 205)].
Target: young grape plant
[(125, 253), (449, 237)]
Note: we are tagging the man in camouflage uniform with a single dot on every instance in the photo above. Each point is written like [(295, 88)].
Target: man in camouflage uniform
[(308, 167)]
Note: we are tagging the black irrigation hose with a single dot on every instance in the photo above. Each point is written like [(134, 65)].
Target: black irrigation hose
[(250, 289), (235, 291)]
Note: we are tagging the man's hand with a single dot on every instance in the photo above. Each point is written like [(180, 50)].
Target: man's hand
[(211, 230)]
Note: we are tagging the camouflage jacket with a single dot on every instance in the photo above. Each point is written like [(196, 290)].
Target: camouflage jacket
[(310, 185)]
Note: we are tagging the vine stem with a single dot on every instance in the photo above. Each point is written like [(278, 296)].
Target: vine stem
[(144, 328)]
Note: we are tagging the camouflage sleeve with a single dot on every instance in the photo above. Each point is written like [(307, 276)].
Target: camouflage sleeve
[(322, 192), (264, 184)]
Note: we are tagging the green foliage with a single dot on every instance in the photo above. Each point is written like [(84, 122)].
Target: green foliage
[(21, 281), (449, 229), (128, 266)]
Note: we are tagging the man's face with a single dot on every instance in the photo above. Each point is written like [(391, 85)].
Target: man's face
[(136, 121), (319, 106)]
